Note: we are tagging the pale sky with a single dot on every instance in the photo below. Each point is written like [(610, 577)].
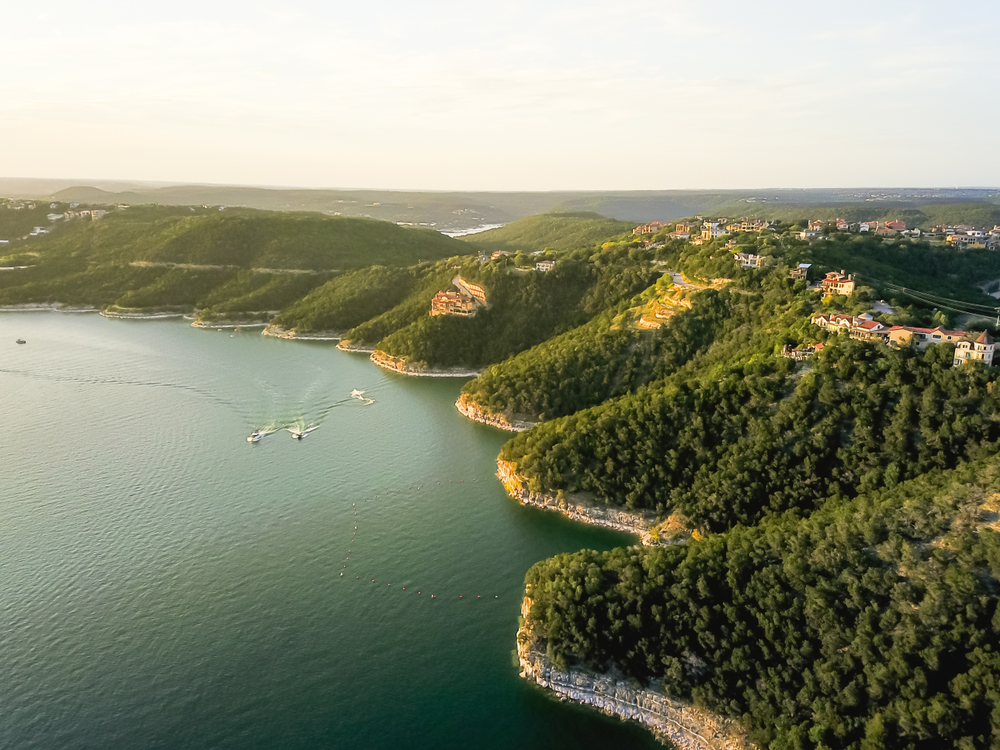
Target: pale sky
[(436, 95)]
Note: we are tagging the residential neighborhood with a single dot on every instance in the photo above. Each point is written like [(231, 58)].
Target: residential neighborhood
[(968, 346)]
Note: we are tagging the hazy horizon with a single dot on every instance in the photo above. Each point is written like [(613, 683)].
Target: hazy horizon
[(449, 98)]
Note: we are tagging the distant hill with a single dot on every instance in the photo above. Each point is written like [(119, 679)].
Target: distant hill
[(154, 256), (558, 230), (454, 211), (247, 239), (921, 216)]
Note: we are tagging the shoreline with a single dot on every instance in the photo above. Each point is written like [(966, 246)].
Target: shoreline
[(49, 307), (282, 333), (470, 409), (346, 346), (686, 726), (399, 365), (140, 316), (629, 522), (227, 323)]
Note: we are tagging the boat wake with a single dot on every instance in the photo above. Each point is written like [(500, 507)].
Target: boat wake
[(360, 396)]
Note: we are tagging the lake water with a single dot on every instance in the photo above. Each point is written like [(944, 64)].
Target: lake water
[(165, 584)]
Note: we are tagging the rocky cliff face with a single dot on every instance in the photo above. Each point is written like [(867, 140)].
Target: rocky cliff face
[(283, 333), (476, 413), (686, 726), (621, 520), (400, 365)]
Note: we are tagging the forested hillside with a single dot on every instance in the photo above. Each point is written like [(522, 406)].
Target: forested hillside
[(219, 262), (872, 623), (556, 231)]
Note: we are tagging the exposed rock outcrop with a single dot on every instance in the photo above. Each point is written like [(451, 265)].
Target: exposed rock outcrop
[(403, 367), (284, 333), (347, 346), (476, 413), (630, 522), (687, 727)]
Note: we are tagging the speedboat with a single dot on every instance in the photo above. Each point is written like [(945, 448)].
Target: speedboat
[(298, 434), (357, 394), (21, 341), (255, 436)]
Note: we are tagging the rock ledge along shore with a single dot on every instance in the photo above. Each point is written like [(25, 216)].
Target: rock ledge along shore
[(687, 727), (282, 333), (476, 413), (613, 518), (400, 365)]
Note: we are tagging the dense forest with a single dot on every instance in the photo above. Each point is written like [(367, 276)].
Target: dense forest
[(872, 623)]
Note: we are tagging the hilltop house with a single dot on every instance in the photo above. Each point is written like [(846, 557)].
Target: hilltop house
[(749, 260), (545, 265), (712, 229), (452, 303), (980, 349), (862, 327), (651, 228), (753, 225), (470, 290), (802, 272), (838, 283), (966, 348)]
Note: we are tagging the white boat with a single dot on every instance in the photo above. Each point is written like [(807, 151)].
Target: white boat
[(255, 436), (298, 435)]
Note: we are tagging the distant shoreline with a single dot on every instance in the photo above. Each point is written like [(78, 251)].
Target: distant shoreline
[(49, 307)]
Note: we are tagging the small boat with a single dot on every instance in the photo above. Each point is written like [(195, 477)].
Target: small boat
[(21, 341), (298, 434), (255, 436)]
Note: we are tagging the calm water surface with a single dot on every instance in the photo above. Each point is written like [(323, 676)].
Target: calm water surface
[(164, 583)]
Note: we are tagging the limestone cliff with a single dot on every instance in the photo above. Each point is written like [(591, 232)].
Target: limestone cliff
[(687, 727), (476, 413), (630, 522), (284, 333), (403, 367)]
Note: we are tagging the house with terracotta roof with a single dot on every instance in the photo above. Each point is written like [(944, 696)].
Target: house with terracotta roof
[(651, 228), (921, 338), (453, 303), (838, 283), (968, 347), (979, 349), (861, 327)]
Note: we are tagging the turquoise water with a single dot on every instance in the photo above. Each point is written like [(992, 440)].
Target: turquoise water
[(164, 583)]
